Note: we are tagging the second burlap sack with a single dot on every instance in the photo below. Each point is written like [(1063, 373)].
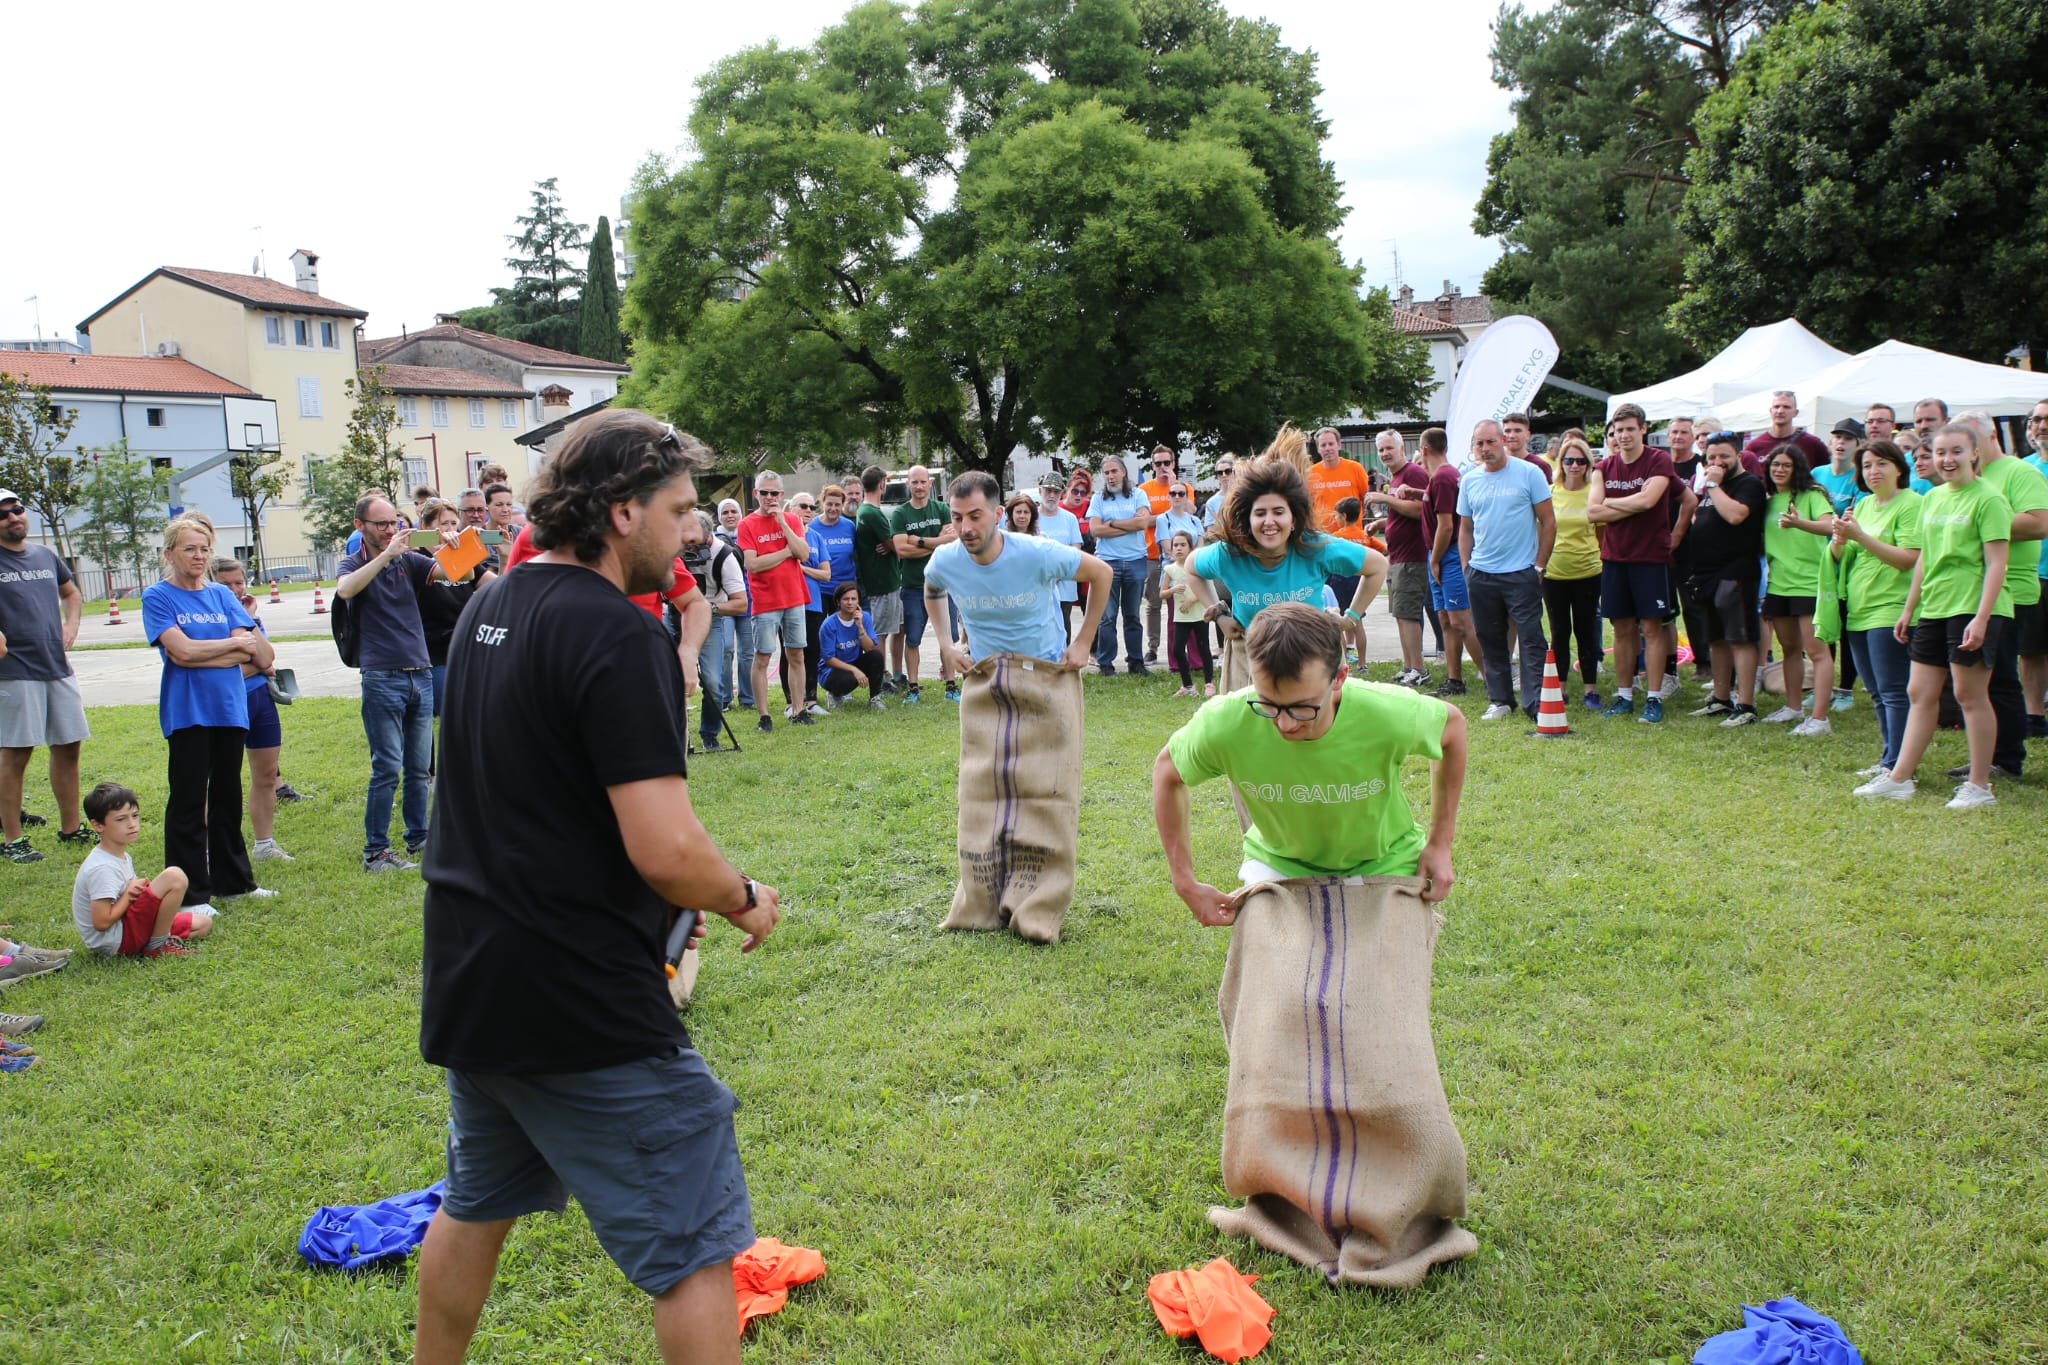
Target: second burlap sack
[(1020, 796), (1336, 1132)]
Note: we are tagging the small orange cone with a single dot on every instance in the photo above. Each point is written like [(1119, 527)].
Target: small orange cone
[(1550, 712), (114, 612), (319, 606), (273, 591)]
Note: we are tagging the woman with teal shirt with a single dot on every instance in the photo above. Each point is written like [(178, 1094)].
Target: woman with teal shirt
[(1875, 548), (1796, 519)]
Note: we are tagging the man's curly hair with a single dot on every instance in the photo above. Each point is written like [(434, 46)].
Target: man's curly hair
[(615, 457)]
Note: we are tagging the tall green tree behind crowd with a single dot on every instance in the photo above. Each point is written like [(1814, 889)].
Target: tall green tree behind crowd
[(541, 306), (121, 506), (598, 333), (1585, 191), (33, 429), (370, 458), (1005, 222), (1880, 168)]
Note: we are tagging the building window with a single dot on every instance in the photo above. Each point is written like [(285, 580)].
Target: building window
[(312, 479), (508, 413), (154, 416), (330, 337), (416, 475), (273, 331), (476, 412), (598, 396), (408, 412), (440, 408), (309, 395), (302, 332)]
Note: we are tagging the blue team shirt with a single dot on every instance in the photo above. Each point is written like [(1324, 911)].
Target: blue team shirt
[(1841, 488), (838, 640), (833, 544), (1296, 578), (1171, 523), (1009, 607), (1119, 507), (1502, 507), (1062, 528), (196, 696)]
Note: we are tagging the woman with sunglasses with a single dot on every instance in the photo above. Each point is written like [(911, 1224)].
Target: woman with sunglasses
[(1571, 581), (1797, 519)]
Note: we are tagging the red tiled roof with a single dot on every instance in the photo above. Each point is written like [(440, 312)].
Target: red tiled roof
[(256, 291), (1417, 324), (145, 374), (524, 352), (443, 379)]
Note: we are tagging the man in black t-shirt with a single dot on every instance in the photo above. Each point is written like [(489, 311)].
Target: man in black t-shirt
[(1727, 543), (550, 902)]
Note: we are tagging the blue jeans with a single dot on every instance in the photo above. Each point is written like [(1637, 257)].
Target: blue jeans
[(740, 658), (398, 718), (714, 675), (1126, 598), (1882, 664)]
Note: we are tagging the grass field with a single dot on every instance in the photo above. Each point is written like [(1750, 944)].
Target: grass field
[(1713, 1031)]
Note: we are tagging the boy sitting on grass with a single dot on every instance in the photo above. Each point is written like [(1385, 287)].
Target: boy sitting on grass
[(117, 913)]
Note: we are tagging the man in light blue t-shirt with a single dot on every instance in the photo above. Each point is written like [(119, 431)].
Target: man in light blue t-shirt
[(1005, 584), (1061, 527), (1506, 527), (1118, 516)]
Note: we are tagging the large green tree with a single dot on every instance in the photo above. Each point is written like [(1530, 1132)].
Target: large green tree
[(370, 459), (598, 333), (33, 429), (121, 503), (541, 306), (1880, 168), (1001, 223), (1586, 189)]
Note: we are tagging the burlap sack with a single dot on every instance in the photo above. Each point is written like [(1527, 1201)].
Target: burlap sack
[(1237, 672), (1020, 796), (1336, 1132)]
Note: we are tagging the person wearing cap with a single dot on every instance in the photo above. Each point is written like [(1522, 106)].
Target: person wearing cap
[(1062, 527), (40, 705)]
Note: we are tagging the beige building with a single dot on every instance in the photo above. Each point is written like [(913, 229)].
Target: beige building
[(453, 422), (284, 341)]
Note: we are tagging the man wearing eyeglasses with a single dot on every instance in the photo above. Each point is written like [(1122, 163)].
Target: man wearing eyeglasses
[(1158, 488), (1226, 470), (40, 706), (774, 551)]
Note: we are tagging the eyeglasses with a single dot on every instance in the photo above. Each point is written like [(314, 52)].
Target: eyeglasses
[(383, 525), (1301, 710)]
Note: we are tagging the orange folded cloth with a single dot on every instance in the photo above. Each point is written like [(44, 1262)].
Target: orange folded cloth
[(1216, 1304), (763, 1273)]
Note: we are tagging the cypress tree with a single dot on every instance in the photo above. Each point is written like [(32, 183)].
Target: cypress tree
[(597, 323)]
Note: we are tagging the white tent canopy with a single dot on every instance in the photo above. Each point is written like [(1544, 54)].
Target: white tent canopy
[(1773, 357), (1897, 373)]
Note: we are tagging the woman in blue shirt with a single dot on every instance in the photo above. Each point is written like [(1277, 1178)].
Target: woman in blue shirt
[(204, 637)]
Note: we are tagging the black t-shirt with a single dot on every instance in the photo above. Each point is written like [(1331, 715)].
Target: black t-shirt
[(1682, 471), (1725, 551), (441, 607), (543, 945)]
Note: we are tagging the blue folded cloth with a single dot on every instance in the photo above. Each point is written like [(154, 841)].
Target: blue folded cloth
[(1782, 1332), (350, 1236)]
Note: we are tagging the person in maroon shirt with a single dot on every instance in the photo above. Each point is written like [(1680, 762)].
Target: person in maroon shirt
[(1407, 554), (1629, 498), (1514, 430), (1447, 591), (1784, 407)]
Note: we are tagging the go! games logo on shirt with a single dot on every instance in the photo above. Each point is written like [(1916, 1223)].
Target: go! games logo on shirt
[(1321, 794)]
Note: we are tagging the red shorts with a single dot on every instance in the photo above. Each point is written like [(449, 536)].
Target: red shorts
[(140, 922)]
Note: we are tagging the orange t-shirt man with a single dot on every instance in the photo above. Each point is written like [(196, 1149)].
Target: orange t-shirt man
[(1164, 464), (1330, 482)]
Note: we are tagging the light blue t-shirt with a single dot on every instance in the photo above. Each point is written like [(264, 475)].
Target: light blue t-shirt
[(1296, 578), (1170, 522), (2037, 462), (1922, 486), (1119, 507), (831, 545), (1212, 509), (196, 696), (1841, 488), (1062, 527), (1501, 504), (1009, 606)]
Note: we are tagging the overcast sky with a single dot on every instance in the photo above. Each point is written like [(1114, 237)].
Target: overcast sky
[(399, 141)]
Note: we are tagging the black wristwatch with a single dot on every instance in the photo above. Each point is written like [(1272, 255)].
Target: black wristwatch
[(748, 883)]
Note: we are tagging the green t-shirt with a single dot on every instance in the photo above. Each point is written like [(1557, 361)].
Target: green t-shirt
[(1876, 591), (2025, 491), (876, 572), (1955, 523), (1331, 807), (909, 521), (1792, 555)]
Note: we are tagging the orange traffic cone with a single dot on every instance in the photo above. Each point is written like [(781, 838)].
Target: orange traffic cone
[(273, 591), (319, 606), (114, 612), (1550, 712)]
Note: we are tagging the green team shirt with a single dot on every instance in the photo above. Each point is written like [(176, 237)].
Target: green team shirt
[(2025, 491), (909, 521), (1955, 523), (874, 571), (1331, 807), (1793, 555), (1876, 591)]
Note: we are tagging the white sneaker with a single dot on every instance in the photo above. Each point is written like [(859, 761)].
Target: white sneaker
[(818, 710), (1498, 711), (202, 909), (257, 893), (1780, 716), (267, 851), (1814, 725), (1668, 689), (1872, 771), (1969, 796), (1883, 786)]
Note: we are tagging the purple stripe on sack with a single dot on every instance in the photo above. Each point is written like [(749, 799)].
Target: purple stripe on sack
[(1323, 1022), (1344, 1064), (1006, 776), (1308, 1055)]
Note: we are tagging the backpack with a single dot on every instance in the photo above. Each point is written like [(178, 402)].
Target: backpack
[(347, 628)]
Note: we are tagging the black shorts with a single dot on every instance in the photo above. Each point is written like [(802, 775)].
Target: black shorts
[(1939, 643), (1730, 605), (1636, 592), (1782, 608), (2029, 623)]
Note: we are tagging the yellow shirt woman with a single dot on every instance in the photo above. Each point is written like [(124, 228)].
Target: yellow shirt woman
[(1577, 551)]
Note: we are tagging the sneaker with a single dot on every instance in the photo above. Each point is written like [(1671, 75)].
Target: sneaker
[(287, 792), (19, 968), (814, 709), (1883, 788), (1138, 670), (19, 851), (1782, 716), (10, 1048), (1969, 796), (1740, 716), (887, 687), (1497, 711), (902, 682), (1450, 687), (59, 956), (1842, 700), (1591, 701), (175, 947), (1872, 771), (1208, 689), (202, 909), (267, 851), (803, 718), (709, 744), (1961, 773), (1814, 725), (1716, 706), (415, 850), (18, 1025), (1433, 655), (952, 691), (1109, 672), (260, 893), (1151, 656), (82, 835), (877, 704), (1668, 689), (1183, 692), (1653, 711), (2037, 728), (1620, 706), (29, 821), (912, 695), (384, 860), (789, 713), (765, 725), (17, 1063)]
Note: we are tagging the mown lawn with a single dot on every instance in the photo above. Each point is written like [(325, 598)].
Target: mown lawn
[(1713, 1031)]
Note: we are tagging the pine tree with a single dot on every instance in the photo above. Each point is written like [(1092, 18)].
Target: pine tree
[(540, 306), (597, 324)]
